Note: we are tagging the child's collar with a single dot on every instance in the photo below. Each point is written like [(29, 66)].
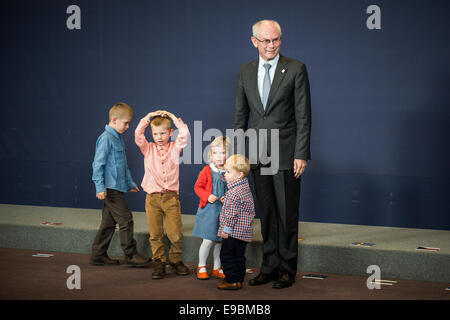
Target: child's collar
[(236, 183), (112, 131), (214, 168), (162, 148)]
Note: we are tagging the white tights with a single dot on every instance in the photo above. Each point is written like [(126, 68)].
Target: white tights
[(203, 253)]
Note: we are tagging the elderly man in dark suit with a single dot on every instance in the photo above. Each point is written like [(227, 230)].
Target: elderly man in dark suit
[(273, 93)]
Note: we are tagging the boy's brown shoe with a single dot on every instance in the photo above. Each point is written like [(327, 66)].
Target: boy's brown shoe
[(229, 286), (104, 261), (160, 270), (180, 268), (137, 260)]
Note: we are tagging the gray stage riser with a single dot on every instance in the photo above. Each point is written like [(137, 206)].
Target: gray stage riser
[(424, 266)]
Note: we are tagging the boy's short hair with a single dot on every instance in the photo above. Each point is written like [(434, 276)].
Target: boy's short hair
[(220, 141), (120, 110), (161, 122), (239, 163)]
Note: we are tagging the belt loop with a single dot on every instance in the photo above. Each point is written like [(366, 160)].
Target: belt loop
[(164, 191)]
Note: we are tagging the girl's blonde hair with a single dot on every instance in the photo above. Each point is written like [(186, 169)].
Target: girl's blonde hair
[(220, 141)]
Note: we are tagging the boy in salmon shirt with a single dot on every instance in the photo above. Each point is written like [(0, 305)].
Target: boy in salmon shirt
[(161, 183)]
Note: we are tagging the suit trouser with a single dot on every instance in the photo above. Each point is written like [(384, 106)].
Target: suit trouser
[(278, 199), (115, 211), (232, 257), (163, 210)]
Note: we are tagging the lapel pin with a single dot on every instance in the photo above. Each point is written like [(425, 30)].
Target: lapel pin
[(282, 71)]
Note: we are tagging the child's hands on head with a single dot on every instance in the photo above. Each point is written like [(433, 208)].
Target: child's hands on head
[(169, 115), (154, 114), (162, 113)]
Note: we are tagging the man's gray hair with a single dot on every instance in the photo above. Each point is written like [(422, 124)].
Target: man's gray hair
[(256, 26)]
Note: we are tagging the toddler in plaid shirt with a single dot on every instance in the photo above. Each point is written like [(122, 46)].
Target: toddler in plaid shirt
[(236, 222)]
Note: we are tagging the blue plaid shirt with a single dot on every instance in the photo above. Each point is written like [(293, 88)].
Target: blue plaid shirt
[(238, 211), (110, 169)]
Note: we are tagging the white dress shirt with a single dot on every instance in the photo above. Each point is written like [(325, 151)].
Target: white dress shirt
[(262, 72)]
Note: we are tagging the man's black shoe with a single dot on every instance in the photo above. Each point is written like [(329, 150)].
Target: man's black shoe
[(260, 279), (284, 281), (104, 261)]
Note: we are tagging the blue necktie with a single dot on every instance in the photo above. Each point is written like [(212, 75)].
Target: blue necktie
[(266, 85)]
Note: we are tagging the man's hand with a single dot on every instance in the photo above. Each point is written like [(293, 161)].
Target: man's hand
[(101, 195), (224, 235), (299, 167), (135, 189), (212, 198)]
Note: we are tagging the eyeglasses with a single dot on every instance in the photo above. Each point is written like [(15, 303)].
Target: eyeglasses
[(266, 42)]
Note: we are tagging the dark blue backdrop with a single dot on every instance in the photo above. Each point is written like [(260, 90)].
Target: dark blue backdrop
[(381, 117)]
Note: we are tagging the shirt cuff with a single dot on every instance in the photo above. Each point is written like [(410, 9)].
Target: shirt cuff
[(227, 230), (132, 186), (100, 189)]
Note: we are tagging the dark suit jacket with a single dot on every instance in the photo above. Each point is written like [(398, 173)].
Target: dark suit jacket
[(288, 108)]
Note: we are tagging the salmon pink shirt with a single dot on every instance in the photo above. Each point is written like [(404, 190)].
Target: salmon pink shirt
[(161, 164)]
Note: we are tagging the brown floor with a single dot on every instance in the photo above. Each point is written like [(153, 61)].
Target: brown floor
[(25, 277)]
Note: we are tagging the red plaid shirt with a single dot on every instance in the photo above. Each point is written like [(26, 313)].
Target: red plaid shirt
[(236, 218)]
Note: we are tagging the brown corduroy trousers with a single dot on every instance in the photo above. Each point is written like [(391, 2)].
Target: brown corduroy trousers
[(164, 210)]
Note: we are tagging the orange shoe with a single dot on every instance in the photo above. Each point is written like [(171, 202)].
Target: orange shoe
[(218, 273), (202, 275)]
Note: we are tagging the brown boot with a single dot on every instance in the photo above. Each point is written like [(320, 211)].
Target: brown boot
[(180, 268), (160, 270)]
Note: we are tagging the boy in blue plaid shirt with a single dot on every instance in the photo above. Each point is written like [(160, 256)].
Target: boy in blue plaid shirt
[(236, 222)]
